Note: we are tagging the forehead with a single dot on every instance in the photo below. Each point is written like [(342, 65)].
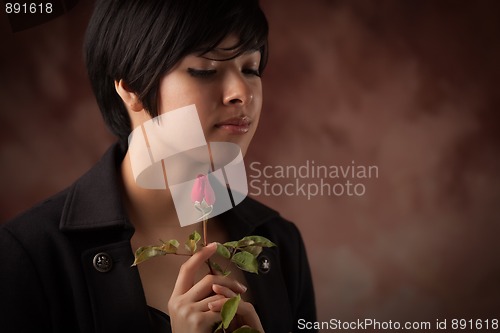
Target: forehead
[(227, 49)]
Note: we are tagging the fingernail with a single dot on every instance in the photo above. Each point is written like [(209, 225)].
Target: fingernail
[(242, 287), (210, 305), (212, 245)]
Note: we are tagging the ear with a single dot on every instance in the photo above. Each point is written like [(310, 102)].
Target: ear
[(129, 98)]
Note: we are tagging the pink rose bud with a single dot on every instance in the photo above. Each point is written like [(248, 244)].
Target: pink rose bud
[(197, 191), (202, 190)]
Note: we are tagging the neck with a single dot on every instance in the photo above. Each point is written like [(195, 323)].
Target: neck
[(147, 209)]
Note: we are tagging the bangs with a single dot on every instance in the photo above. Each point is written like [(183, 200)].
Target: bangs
[(244, 20)]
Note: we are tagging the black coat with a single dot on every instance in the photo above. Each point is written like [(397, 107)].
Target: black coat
[(52, 278)]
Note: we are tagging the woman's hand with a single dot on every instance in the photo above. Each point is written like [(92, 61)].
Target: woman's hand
[(245, 315), (188, 306)]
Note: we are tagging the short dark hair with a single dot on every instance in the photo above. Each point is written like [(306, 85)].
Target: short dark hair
[(140, 41)]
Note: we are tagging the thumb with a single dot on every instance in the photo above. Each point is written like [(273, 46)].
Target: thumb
[(185, 280)]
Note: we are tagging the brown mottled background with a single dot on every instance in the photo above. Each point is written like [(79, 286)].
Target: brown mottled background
[(409, 86)]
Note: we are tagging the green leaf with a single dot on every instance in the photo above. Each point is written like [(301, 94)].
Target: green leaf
[(246, 330), (223, 251), (147, 252), (218, 269), (219, 328), (232, 244), (191, 244), (255, 250), (195, 236), (245, 261), (258, 241), (171, 246), (245, 242), (228, 310)]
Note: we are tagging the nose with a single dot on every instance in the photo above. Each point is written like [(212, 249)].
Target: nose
[(237, 91)]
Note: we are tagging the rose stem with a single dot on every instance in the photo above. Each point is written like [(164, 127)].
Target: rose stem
[(205, 232), (205, 244)]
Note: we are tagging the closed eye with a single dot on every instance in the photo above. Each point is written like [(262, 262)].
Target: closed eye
[(250, 71), (201, 73)]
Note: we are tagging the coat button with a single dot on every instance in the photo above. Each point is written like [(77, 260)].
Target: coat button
[(103, 262), (264, 264)]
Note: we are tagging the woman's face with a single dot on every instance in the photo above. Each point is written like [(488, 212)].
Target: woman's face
[(227, 93)]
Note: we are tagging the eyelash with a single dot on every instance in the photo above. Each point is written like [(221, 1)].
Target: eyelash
[(201, 73), (250, 71), (206, 73)]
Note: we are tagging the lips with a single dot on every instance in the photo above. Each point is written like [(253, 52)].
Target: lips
[(236, 125)]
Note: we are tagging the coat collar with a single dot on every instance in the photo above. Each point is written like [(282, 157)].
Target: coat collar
[(95, 202)]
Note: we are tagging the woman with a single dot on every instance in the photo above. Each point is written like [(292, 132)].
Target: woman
[(67, 261)]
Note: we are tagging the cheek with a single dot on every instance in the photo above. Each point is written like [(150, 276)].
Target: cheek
[(257, 95), (177, 92), (258, 100)]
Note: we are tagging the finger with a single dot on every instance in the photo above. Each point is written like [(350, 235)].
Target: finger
[(246, 309), (224, 291), (203, 288), (216, 305), (188, 321), (246, 313), (187, 273), (248, 316), (202, 306)]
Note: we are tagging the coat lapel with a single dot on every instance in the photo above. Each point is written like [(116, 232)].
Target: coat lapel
[(95, 221)]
